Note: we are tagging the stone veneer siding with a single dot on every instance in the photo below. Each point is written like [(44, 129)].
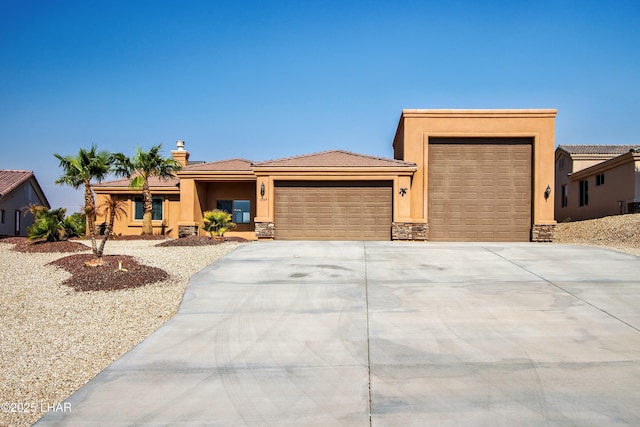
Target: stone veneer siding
[(543, 232), (409, 231), (187, 230), (265, 230)]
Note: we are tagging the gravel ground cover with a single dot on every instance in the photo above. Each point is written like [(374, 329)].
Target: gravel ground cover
[(53, 339), (620, 232)]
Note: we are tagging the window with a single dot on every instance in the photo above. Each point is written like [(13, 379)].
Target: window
[(599, 179), (17, 228), (584, 193), (240, 210), (561, 163), (565, 196), (156, 211), (2, 216)]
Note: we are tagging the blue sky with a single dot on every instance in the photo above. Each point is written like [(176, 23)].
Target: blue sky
[(268, 79)]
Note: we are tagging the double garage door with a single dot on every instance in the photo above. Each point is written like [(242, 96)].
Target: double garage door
[(479, 189), (318, 210)]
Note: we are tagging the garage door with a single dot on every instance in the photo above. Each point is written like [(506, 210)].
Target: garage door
[(479, 189), (333, 211)]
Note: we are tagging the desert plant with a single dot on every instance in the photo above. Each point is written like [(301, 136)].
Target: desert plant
[(79, 171), (142, 166), (112, 208), (79, 221), (217, 222), (51, 225)]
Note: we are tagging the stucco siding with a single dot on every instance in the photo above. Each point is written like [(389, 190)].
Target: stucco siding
[(603, 200), (19, 200), (215, 191), (128, 225)]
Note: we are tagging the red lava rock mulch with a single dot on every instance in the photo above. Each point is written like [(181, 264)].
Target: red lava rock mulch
[(23, 244), (199, 241), (108, 277)]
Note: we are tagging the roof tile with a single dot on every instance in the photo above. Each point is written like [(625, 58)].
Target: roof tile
[(334, 158), (221, 165), (12, 179), (598, 149)]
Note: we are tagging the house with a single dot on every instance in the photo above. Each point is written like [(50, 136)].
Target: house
[(593, 181), (18, 190), (456, 175)]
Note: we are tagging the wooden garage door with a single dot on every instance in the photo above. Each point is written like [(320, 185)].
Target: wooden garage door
[(333, 211), (479, 189)]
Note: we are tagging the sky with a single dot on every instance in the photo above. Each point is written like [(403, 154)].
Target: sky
[(267, 79)]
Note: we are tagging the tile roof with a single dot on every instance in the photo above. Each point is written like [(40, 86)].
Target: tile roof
[(12, 179), (334, 158), (221, 165), (153, 182), (598, 149)]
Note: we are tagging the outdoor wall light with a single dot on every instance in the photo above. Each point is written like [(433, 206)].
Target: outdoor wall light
[(547, 192), (403, 191), (262, 189)]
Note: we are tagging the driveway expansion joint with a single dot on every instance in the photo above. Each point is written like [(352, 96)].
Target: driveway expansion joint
[(555, 285)]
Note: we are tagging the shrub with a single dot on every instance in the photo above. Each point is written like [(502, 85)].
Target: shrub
[(217, 222), (80, 222), (51, 225)]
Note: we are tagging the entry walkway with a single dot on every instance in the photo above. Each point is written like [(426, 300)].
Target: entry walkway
[(386, 333)]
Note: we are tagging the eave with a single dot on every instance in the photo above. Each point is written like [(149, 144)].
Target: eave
[(504, 113), (604, 166)]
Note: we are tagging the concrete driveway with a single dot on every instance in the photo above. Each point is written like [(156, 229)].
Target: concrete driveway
[(387, 333)]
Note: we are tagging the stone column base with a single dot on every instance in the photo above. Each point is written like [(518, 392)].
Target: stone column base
[(187, 230), (543, 232), (265, 230), (409, 231)]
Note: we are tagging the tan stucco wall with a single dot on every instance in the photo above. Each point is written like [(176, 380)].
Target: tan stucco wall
[(215, 191), (200, 196), (417, 126), (619, 185), (130, 227)]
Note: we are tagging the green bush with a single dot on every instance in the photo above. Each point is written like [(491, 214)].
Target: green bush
[(217, 222), (51, 225), (79, 221)]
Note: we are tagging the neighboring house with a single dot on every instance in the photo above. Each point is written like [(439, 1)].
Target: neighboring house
[(467, 175), (593, 181), (18, 190)]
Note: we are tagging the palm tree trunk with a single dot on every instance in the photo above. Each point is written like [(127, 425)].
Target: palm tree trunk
[(90, 211), (108, 231), (147, 203)]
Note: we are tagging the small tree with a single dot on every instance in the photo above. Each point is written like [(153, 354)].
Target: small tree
[(217, 222), (79, 171), (112, 208)]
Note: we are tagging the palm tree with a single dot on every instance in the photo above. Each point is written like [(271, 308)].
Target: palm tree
[(144, 165), (114, 208), (217, 222), (79, 171)]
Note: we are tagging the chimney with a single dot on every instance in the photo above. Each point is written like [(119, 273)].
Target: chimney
[(180, 155)]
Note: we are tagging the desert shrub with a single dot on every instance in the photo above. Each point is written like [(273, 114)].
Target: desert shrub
[(217, 222), (51, 225), (79, 221)]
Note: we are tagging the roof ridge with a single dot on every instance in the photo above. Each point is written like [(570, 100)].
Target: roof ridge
[(319, 153), (220, 161), (16, 170)]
